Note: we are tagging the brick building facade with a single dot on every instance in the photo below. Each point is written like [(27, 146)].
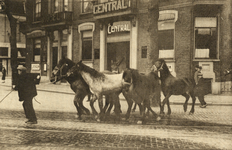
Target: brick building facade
[(101, 32)]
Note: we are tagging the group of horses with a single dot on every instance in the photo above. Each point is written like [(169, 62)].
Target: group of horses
[(136, 87)]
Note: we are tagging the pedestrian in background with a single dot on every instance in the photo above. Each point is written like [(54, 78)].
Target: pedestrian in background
[(200, 90), (3, 74), (26, 92)]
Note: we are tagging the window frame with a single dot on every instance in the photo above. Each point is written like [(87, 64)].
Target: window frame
[(35, 48), (62, 6), (83, 39), (217, 38), (37, 7), (83, 9), (168, 16)]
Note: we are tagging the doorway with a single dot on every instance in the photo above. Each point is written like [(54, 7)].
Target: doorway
[(118, 53)]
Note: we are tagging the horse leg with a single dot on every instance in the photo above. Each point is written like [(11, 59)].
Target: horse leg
[(100, 104), (164, 102), (186, 101), (107, 102), (92, 106), (169, 108), (140, 108), (79, 110), (117, 106), (80, 102), (110, 107), (193, 102), (129, 103), (134, 108), (143, 115)]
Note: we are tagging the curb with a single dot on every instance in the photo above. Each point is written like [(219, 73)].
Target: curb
[(172, 103)]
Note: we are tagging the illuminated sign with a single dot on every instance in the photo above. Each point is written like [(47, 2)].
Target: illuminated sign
[(121, 26), (111, 6)]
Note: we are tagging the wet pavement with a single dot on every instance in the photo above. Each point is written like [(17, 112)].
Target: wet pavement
[(57, 128)]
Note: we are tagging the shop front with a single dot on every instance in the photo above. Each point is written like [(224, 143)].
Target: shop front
[(118, 34)]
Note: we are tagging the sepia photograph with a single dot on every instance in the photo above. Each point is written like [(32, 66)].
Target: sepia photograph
[(115, 74)]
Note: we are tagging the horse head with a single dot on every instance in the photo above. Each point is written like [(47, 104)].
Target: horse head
[(61, 69), (159, 65)]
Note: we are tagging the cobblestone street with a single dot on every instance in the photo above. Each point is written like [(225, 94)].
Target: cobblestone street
[(57, 128)]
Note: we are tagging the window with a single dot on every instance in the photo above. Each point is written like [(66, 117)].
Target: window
[(37, 12), (96, 53), (18, 33), (36, 52), (21, 52), (206, 36), (60, 6), (64, 51), (166, 33), (87, 45), (3, 51), (87, 6), (144, 52)]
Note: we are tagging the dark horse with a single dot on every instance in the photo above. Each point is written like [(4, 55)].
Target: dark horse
[(142, 90), (78, 85), (171, 85)]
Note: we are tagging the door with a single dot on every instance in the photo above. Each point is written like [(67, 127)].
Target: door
[(54, 57), (118, 54)]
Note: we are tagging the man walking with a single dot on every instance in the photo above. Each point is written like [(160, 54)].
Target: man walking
[(26, 92)]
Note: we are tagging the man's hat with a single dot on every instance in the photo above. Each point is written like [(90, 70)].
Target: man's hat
[(197, 66), (21, 67)]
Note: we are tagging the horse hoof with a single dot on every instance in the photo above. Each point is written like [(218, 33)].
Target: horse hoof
[(124, 119), (190, 113), (98, 120), (139, 122), (76, 116), (158, 118), (185, 108), (96, 117)]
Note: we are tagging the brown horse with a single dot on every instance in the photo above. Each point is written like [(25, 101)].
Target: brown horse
[(171, 85), (142, 89)]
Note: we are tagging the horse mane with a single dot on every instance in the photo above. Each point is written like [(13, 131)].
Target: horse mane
[(67, 61), (94, 73)]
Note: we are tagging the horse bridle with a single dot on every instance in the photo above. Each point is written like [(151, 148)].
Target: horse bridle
[(59, 69)]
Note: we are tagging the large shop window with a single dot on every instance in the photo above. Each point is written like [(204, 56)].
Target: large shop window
[(36, 52), (86, 6), (37, 10), (87, 45), (166, 30), (206, 38)]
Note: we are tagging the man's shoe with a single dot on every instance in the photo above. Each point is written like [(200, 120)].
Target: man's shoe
[(27, 121), (203, 106), (32, 122)]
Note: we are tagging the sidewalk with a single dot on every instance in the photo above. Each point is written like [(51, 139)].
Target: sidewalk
[(211, 99)]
